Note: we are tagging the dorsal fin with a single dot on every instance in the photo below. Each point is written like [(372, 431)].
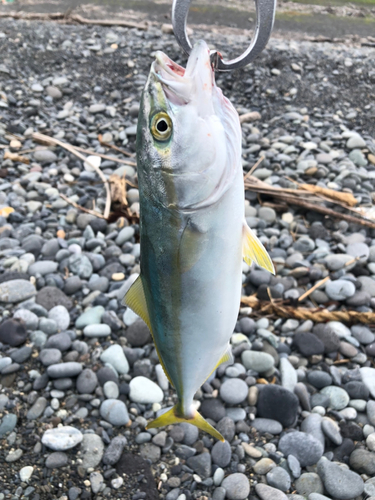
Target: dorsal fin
[(136, 300)]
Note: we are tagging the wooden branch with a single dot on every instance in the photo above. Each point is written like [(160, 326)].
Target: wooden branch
[(50, 140), (112, 146), (298, 197), (107, 22), (75, 205), (59, 16)]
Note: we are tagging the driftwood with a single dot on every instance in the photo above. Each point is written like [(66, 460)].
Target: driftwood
[(277, 308), (71, 18), (310, 199)]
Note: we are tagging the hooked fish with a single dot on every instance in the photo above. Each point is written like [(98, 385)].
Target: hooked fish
[(192, 228)]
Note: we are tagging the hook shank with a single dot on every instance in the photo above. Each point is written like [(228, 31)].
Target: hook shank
[(265, 12)]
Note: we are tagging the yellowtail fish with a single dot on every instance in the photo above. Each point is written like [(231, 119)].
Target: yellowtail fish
[(192, 227)]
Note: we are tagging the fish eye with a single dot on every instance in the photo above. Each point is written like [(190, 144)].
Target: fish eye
[(161, 126)]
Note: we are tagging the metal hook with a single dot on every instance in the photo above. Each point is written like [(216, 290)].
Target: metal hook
[(265, 10)]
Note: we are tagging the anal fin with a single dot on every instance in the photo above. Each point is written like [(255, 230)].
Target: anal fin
[(254, 251), (135, 299)]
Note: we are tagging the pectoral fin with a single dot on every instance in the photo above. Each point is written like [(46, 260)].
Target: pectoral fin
[(136, 300), (254, 251)]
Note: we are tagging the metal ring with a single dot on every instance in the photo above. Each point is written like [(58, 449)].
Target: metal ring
[(265, 12)]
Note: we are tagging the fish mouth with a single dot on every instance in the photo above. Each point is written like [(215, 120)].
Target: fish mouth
[(181, 85)]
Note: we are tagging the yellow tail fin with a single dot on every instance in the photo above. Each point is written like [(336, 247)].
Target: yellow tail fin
[(172, 417)]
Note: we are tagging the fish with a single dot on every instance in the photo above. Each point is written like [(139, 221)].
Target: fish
[(193, 232)]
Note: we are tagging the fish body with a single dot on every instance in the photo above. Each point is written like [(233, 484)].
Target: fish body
[(192, 225)]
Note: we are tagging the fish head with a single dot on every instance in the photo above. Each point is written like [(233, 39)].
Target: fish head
[(189, 137)]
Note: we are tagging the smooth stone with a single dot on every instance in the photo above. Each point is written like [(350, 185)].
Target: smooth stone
[(138, 333), (309, 482), (263, 466), (50, 296), (43, 267), (115, 412), (331, 430), (340, 289), (279, 478), (115, 356), (16, 291), (339, 398), (294, 466), (308, 344), (61, 341), (13, 332), (92, 450), (234, 391), (363, 461), (221, 453), (338, 481), (37, 409), (313, 425), (319, 379), (258, 361), (26, 473), (277, 403), (56, 460), (101, 330), (237, 486), (370, 411), (49, 356), (30, 319), (201, 464), (8, 423), (114, 451), (306, 448), (68, 369), (86, 381), (145, 391), (61, 317), (289, 376), (368, 378), (62, 438), (111, 390), (267, 425), (266, 492), (91, 316)]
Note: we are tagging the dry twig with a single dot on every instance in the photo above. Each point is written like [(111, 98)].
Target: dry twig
[(75, 205), (298, 197), (50, 140)]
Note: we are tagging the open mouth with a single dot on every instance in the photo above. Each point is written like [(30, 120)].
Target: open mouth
[(164, 63)]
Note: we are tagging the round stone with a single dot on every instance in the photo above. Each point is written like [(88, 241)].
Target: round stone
[(62, 438), (339, 398), (111, 390), (237, 486), (115, 412), (303, 446), (234, 391), (340, 289), (258, 361), (145, 391), (279, 478)]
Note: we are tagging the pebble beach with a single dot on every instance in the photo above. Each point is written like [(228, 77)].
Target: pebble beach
[(79, 374)]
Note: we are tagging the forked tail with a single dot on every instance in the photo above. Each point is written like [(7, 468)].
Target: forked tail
[(173, 416)]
